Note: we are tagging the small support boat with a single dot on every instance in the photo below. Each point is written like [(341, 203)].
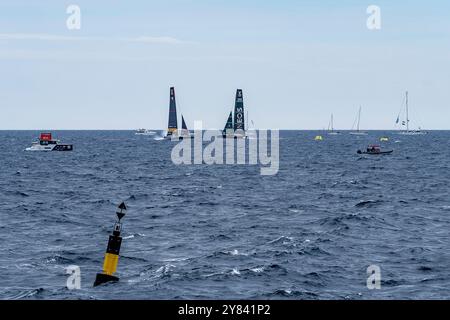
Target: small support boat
[(144, 132), (46, 143), (374, 150)]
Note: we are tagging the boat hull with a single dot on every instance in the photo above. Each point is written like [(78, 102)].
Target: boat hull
[(376, 153), (413, 133), (359, 133), (149, 133), (225, 136), (176, 138), (58, 147)]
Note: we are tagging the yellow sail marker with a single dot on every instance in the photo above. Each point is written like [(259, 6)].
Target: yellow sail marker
[(318, 138), (112, 251), (384, 139)]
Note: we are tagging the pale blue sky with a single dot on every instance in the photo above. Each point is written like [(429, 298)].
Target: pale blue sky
[(297, 62)]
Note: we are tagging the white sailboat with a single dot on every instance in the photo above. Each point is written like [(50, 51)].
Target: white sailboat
[(358, 132), (406, 122), (331, 127)]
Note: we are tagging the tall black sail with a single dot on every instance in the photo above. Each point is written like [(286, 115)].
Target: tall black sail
[(239, 123), (229, 124), (173, 124), (183, 124), (184, 129)]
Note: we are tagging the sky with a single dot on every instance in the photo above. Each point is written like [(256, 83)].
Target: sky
[(296, 61)]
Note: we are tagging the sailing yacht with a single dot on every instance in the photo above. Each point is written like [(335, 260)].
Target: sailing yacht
[(172, 127), (331, 127), (235, 128), (406, 122), (358, 132)]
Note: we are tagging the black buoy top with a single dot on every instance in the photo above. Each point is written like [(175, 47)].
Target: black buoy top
[(121, 210)]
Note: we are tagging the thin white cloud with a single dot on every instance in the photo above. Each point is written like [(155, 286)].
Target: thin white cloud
[(37, 36), (167, 40), (51, 37)]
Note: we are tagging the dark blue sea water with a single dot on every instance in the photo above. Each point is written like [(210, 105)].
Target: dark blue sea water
[(223, 231)]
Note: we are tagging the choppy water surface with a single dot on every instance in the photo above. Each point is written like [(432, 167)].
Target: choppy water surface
[(206, 232)]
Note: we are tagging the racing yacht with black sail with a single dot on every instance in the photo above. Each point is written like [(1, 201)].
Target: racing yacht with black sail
[(172, 127), (235, 128)]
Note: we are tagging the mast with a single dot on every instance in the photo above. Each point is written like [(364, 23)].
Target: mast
[(332, 126), (359, 118), (247, 119), (407, 113), (239, 119), (173, 123)]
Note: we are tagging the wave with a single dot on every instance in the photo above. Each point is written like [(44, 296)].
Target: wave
[(219, 237), (235, 272), (24, 294), (289, 293), (257, 269), (131, 236), (282, 240), (18, 193), (368, 203), (207, 203), (133, 258)]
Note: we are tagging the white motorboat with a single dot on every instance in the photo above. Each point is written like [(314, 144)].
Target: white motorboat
[(47, 143)]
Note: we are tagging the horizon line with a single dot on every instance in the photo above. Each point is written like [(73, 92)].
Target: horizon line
[(257, 129)]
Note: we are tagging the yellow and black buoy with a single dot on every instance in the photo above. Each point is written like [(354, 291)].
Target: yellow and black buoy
[(112, 251)]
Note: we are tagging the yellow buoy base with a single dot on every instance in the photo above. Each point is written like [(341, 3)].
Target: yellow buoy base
[(110, 263)]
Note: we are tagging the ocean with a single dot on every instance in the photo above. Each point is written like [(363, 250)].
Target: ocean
[(225, 231)]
